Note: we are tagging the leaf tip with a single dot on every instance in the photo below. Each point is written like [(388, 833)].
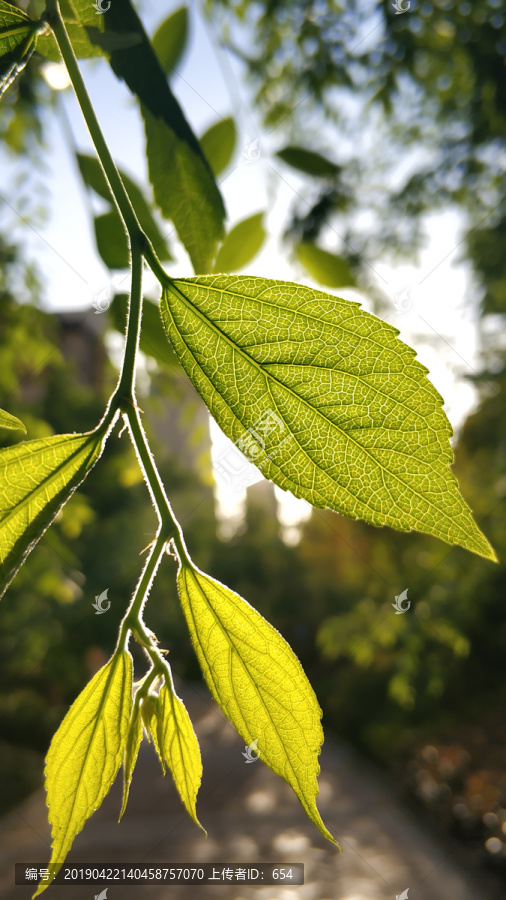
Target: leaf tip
[(199, 824), (123, 808), (490, 554), (480, 545)]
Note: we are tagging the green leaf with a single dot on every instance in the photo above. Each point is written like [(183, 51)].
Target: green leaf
[(38, 477), (149, 713), (184, 192), (83, 48), (15, 27), (325, 267), (257, 681), (86, 753), (179, 747), (133, 742), (85, 12), (309, 162), (183, 184), (241, 244), (17, 43), (339, 410), (152, 340), (76, 15), (93, 176), (11, 422), (112, 241), (218, 144), (170, 39), (11, 19)]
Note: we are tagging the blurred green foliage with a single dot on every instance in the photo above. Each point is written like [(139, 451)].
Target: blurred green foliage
[(409, 108)]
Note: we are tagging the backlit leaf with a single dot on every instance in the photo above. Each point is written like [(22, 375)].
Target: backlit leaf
[(338, 409), (86, 753), (325, 267), (241, 244), (149, 713), (133, 742), (184, 187), (179, 747), (82, 46), (77, 15), (309, 162), (185, 191), (257, 681), (37, 479), (85, 11), (170, 39), (218, 144), (11, 422), (17, 42)]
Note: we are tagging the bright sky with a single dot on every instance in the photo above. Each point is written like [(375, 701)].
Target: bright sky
[(433, 304)]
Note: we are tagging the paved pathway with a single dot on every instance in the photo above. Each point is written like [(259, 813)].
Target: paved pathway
[(251, 816)]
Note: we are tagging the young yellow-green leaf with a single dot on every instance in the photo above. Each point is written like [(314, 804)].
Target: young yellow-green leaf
[(257, 681), (170, 39), (241, 244), (340, 411), (17, 42), (11, 422), (218, 144), (179, 747), (37, 478), (132, 745), (149, 714), (86, 753), (325, 267)]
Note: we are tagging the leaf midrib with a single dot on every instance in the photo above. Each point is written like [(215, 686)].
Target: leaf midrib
[(33, 494), (24, 29), (98, 719), (233, 648), (287, 309), (262, 366), (308, 316), (173, 698), (258, 366)]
